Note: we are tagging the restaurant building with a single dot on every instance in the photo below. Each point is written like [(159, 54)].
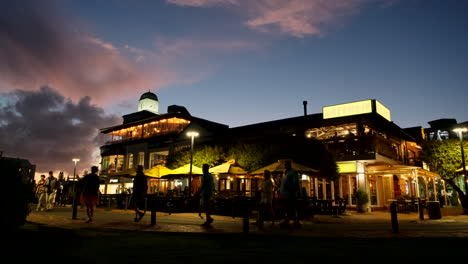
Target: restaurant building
[(371, 151), (146, 138)]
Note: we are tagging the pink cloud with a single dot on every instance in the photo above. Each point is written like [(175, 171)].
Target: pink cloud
[(200, 3), (293, 17), (40, 48)]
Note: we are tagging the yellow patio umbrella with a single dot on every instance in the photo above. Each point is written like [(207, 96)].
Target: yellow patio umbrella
[(279, 167), (156, 172), (230, 167), (185, 169), (461, 169)]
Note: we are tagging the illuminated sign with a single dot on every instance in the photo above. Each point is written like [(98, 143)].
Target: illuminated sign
[(356, 108), (382, 110), (349, 109), (348, 167)]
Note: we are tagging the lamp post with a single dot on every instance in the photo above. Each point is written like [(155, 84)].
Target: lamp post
[(460, 133), (75, 201), (192, 135)]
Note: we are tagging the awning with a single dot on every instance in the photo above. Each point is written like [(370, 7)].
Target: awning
[(125, 173), (400, 169)]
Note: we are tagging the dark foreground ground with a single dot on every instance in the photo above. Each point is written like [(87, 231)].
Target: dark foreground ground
[(53, 237), (58, 245)]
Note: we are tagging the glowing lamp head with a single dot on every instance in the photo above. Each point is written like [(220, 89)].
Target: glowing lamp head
[(460, 130), (192, 134)]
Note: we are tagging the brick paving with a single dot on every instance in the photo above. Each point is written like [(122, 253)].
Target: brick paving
[(352, 224)]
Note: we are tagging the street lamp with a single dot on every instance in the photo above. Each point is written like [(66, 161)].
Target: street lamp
[(460, 133), (192, 135), (75, 201)]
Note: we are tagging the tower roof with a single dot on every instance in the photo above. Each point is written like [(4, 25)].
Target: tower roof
[(149, 95)]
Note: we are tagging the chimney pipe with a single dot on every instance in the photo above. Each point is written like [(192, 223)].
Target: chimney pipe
[(305, 107)]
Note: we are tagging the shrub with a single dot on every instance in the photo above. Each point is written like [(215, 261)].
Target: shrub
[(361, 199)]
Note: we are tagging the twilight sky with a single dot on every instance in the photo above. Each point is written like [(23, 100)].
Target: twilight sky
[(68, 68)]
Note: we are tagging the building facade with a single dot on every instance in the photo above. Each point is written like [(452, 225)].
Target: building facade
[(371, 151)]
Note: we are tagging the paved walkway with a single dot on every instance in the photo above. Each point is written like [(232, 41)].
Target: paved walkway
[(352, 224)]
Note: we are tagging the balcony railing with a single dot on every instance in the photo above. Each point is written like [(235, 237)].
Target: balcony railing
[(364, 147)]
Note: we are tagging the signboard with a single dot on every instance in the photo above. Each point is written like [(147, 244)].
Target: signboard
[(382, 110), (349, 109), (356, 108), (347, 167)]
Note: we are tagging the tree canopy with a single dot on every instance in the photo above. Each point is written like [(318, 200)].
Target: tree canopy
[(443, 156), (252, 156)]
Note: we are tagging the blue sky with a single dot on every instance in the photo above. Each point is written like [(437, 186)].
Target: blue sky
[(239, 62), (410, 55)]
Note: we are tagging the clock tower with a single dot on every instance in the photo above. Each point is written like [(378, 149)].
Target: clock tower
[(149, 102)]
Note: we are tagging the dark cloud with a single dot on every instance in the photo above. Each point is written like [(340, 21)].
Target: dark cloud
[(49, 130)]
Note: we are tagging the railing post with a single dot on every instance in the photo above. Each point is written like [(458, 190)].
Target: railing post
[(245, 221), (420, 209), (393, 213), (109, 202), (151, 203)]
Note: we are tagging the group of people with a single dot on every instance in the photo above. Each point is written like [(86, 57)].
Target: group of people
[(289, 192), (90, 193), (49, 191)]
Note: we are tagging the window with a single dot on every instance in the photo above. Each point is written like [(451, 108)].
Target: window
[(373, 190), (141, 159), (119, 162), (105, 163), (130, 161)]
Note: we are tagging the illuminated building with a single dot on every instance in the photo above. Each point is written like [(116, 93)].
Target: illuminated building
[(371, 151), (146, 138)]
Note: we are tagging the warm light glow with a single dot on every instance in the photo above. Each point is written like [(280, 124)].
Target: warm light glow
[(356, 108), (460, 130), (348, 109), (192, 134), (75, 160), (347, 167), (382, 110)]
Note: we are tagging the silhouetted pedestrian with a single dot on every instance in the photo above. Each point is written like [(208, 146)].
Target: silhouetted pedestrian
[(41, 193), (51, 183), (90, 192), (289, 193), (266, 201), (206, 193), (140, 189)]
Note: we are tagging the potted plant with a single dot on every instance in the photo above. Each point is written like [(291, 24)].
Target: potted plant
[(362, 198)]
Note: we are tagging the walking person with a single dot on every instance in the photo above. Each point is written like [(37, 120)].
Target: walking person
[(206, 193), (90, 192), (140, 189), (59, 199), (290, 190), (41, 193), (51, 183), (266, 200)]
